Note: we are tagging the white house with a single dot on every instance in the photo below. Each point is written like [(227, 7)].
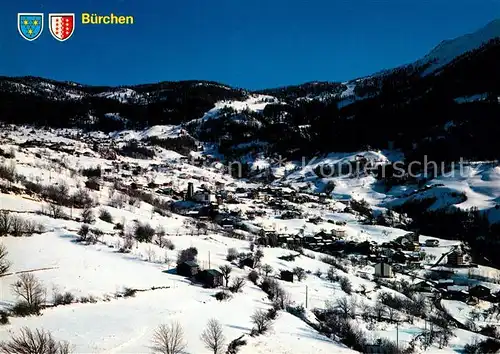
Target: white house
[(383, 270), (204, 197)]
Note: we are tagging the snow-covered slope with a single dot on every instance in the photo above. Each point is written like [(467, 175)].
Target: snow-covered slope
[(448, 50), (117, 324)]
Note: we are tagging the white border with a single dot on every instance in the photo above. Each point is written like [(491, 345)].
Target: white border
[(19, 14), (50, 26)]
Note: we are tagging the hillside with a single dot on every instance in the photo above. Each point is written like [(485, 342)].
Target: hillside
[(301, 219), (406, 107), (120, 284)]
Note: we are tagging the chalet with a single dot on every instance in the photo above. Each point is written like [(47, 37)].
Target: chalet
[(376, 258), (375, 349), (399, 257), (152, 185), (383, 270), (412, 246), (93, 184), (188, 269), (211, 278), (315, 220), (412, 237), (135, 186), (413, 265), (431, 243), (455, 258), (455, 292), (321, 234), (282, 239), (472, 301), (227, 224), (193, 213), (387, 252), (165, 191), (318, 239), (397, 267), (480, 291), (444, 283), (309, 239), (253, 194), (423, 286), (286, 275)]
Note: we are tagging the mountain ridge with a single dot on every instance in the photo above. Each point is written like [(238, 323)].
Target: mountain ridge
[(404, 105), (443, 53)]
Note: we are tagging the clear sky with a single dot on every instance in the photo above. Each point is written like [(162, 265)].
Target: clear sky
[(251, 44)]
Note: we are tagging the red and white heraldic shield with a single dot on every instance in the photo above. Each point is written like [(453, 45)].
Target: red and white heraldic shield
[(62, 26)]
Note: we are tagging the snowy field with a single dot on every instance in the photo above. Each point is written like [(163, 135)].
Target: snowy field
[(117, 324)]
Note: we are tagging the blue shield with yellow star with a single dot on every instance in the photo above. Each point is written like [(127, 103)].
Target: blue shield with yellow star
[(30, 25)]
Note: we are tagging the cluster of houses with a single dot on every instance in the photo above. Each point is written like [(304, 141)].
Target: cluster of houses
[(448, 289), (210, 278), (317, 242), (403, 253)]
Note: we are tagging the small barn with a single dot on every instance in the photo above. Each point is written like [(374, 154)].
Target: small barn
[(383, 270), (188, 269), (211, 278), (247, 262), (431, 242), (480, 292), (286, 275)]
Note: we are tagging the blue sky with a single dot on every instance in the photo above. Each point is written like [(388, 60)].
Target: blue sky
[(251, 44)]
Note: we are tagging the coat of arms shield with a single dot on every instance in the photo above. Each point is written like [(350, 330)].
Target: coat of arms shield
[(30, 25), (62, 26)]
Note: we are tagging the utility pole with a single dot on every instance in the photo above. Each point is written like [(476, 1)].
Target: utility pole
[(397, 336), (306, 296), (208, 259), (425, 331)]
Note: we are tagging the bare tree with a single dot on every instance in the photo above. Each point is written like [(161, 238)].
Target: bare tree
[(168, 339), (38, 341), (393, 314), (261, 321), (150, 254), (17, 226), (281, 298), (5, 222), (232, 254), (344, 307), (56, 211), (88, 215), (379, 311), (160, 237), (213, 336), (331, 274), (267, 269), (4, 263), (345, 285), (226, 271), (365, 310), (29, 289), (300, 273), (258, 255), (128, 242), (84, 232), (237, 285)]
